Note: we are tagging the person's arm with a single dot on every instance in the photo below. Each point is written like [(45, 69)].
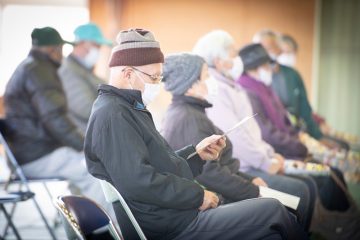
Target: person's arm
[(248, 146), (216, 176), (196, 163), (305, 110), (49, 101), (127, 160), (282, 142)]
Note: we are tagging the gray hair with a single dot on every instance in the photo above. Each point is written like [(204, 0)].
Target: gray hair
[(213, 45), (259, 36), (289, 40)]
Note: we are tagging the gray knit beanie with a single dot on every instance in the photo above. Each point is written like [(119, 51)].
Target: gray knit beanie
[(136, 47), (181, 71)]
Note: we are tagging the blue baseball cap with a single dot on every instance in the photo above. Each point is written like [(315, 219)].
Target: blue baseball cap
[(90, 32)]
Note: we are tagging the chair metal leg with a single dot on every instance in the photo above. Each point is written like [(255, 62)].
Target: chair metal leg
[(10, 222), (47, 225), (12, 211), (57, 220)]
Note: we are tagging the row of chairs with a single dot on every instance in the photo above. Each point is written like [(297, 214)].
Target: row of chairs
[(81, 217)]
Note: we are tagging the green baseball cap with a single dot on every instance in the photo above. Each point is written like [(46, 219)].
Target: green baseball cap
[(91, 32), (46, 36)]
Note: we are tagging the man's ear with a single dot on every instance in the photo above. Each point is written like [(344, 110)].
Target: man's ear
[(127, 73)]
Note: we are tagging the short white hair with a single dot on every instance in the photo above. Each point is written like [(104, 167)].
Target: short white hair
[(213, 45)]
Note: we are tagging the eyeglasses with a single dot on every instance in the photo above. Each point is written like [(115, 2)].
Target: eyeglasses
[(155, 77)]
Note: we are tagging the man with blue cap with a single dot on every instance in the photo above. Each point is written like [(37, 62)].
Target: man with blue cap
[(77, 75)]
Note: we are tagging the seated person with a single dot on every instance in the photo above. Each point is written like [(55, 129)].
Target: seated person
[(44, 140), (289, 86), (123, 147), (272, 117), (275, 127), (230, 104), (77, 73), (186, 77)]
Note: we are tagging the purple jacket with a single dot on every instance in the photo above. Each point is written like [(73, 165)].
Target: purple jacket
[(284, 139)]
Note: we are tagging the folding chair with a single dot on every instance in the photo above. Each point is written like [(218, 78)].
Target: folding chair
[(13, 197), (84, 219), (17, 176), (112, 195)]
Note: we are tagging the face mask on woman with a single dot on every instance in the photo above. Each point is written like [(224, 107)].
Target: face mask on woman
[(237, 69), (265, 76)]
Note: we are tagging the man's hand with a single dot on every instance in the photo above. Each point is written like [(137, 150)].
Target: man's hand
[(209, 148), (259, 182), (210, 201), (281, 160)]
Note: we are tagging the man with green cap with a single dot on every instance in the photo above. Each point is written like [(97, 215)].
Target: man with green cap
[(43, 139), (76, 72)]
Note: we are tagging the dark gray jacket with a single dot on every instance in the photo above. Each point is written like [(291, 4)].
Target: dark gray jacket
[(36, 110), (186, 122), (80, 86), (123, 147)]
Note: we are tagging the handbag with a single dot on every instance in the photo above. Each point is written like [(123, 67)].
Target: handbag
[(336, 225)]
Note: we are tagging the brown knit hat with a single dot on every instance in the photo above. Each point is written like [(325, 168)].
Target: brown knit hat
[(136, 47)]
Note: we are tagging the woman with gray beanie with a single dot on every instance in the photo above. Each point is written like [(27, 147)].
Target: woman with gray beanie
[(186, 77)]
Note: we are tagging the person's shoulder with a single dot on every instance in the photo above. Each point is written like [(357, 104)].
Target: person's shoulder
[(289, 70), (108, 108)]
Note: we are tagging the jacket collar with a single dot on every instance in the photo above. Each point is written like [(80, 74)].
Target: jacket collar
[(194, 102), (43, 57), (132, 97)]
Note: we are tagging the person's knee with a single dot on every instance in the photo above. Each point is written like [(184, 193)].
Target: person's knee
[(272, 205), (303, 190)]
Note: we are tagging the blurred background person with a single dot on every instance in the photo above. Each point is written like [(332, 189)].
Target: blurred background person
[(186, 77), (230, 104), (77, 73), (42, 137), (274, 124), (289, 48)]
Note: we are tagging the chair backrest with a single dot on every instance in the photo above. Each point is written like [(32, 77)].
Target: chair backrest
[(113, 195), (84, 219)]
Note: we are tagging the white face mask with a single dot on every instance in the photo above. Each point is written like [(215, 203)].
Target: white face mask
[(151, 90), (237, 69), (212, 89), (92, 57), (265, 76), (287, 59), (273, 56)]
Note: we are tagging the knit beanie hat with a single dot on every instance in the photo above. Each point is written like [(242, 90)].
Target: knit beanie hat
[(181, 71), (136, 47), (253, 56)]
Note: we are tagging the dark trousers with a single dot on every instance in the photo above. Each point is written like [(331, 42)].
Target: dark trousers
[(261, 218)]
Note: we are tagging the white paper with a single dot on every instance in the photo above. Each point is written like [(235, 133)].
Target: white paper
[(285, 198)]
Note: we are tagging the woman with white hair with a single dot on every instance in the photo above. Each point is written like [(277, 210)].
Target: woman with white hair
[(230, 105)]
